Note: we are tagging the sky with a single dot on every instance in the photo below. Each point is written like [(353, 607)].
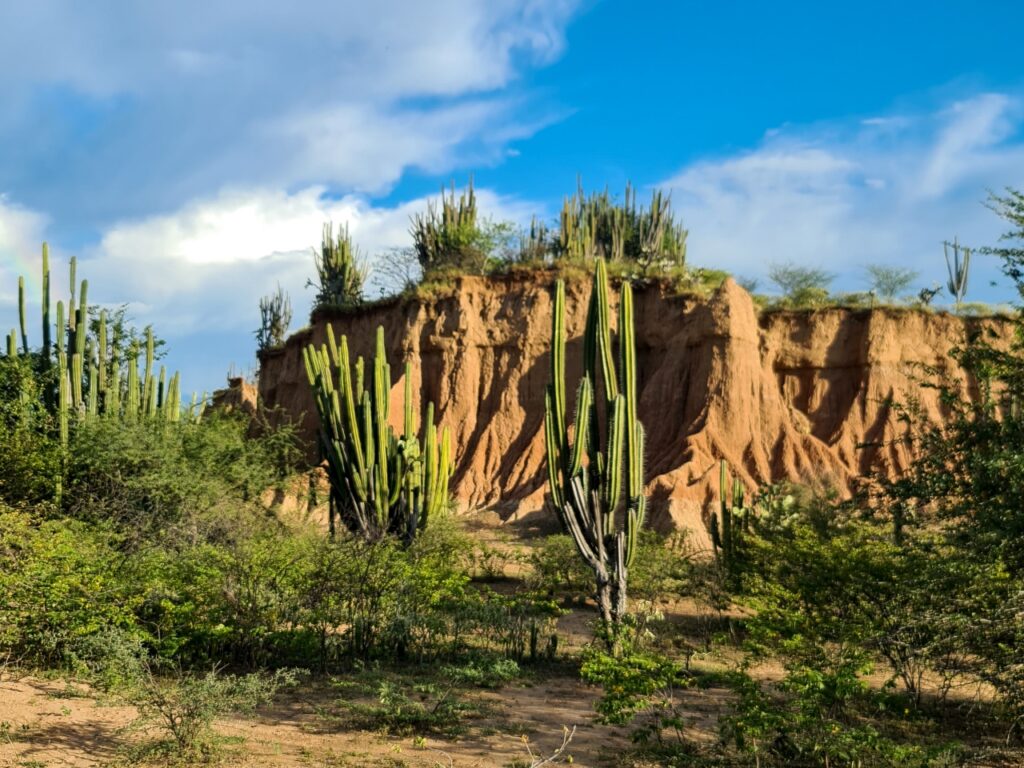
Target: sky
[(188, 153)]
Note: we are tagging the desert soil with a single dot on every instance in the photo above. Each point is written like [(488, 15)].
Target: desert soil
[(54, 723)]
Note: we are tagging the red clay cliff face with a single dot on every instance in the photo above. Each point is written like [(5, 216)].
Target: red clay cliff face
[(781, 396)]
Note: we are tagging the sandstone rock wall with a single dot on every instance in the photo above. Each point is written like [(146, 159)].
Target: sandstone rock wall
[(783, 395)]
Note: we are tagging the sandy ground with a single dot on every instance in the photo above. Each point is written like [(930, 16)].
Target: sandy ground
[(50, 726)]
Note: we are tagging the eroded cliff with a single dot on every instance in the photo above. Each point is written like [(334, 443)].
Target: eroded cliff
[(791, 395)]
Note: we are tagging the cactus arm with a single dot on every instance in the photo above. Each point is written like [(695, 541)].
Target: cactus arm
[(21, 314), (604, 334), (47, 339), (613, 471), (558, 368), (584, 401)]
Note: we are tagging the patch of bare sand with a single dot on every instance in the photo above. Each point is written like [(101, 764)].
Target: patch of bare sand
[(48, 727)]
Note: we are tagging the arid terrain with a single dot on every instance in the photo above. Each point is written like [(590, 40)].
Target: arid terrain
[(782, 395)]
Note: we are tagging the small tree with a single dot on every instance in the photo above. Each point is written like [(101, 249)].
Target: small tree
[(889, 282), (275, 317), (397, 270), (801, 286), (1011, 208)]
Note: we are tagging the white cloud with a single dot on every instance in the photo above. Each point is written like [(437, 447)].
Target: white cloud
[(150, 105), (21, 232), (208, 264), (887, 189)]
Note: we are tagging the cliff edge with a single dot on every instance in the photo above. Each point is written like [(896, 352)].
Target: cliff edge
[(780, 395)]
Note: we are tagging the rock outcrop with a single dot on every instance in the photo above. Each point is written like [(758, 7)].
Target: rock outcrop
[(781, 395)]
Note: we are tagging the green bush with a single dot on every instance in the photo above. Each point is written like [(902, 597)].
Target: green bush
[(184, 706), (29, 452), (60, 581), (149, 480), (810, 720), (640, 690), (659, 570), (802, 287)]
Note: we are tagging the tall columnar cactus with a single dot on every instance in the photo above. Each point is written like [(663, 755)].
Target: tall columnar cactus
[(730, 521), (89, 381), (89, 366), (958, 267), (382, 483), (585, 469)]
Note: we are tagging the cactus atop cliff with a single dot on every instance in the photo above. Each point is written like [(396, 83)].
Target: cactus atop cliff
[(275, 317), (586, 467), (382, 483), (340, 273), (958, 265), (598, 225), (448, 236)]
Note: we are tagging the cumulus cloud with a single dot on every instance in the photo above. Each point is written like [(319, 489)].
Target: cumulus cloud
[(207, 264), (21, 231), (150, 105), (886, 189)]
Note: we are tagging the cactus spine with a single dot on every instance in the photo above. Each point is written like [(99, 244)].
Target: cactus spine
[(381, 483), (588, 497)]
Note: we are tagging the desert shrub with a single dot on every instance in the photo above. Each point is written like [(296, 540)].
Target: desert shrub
[(29, 452), (558, 570), (148, 479), (659, 570), (433, 705), (815, 718), (888, 282), (640, 690), (60, 581), (484, 672), (183, 706), (179, 704), (850, 589)]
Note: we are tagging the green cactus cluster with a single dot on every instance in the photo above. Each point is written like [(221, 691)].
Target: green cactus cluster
[(596, 225), (275, 318), (382, 483), (731, 520), (84, 373), (447, 236), (596, 470), (340, 272), (91, 378), (534, 242)]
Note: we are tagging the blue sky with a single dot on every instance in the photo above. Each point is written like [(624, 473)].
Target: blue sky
[(187, 153)]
